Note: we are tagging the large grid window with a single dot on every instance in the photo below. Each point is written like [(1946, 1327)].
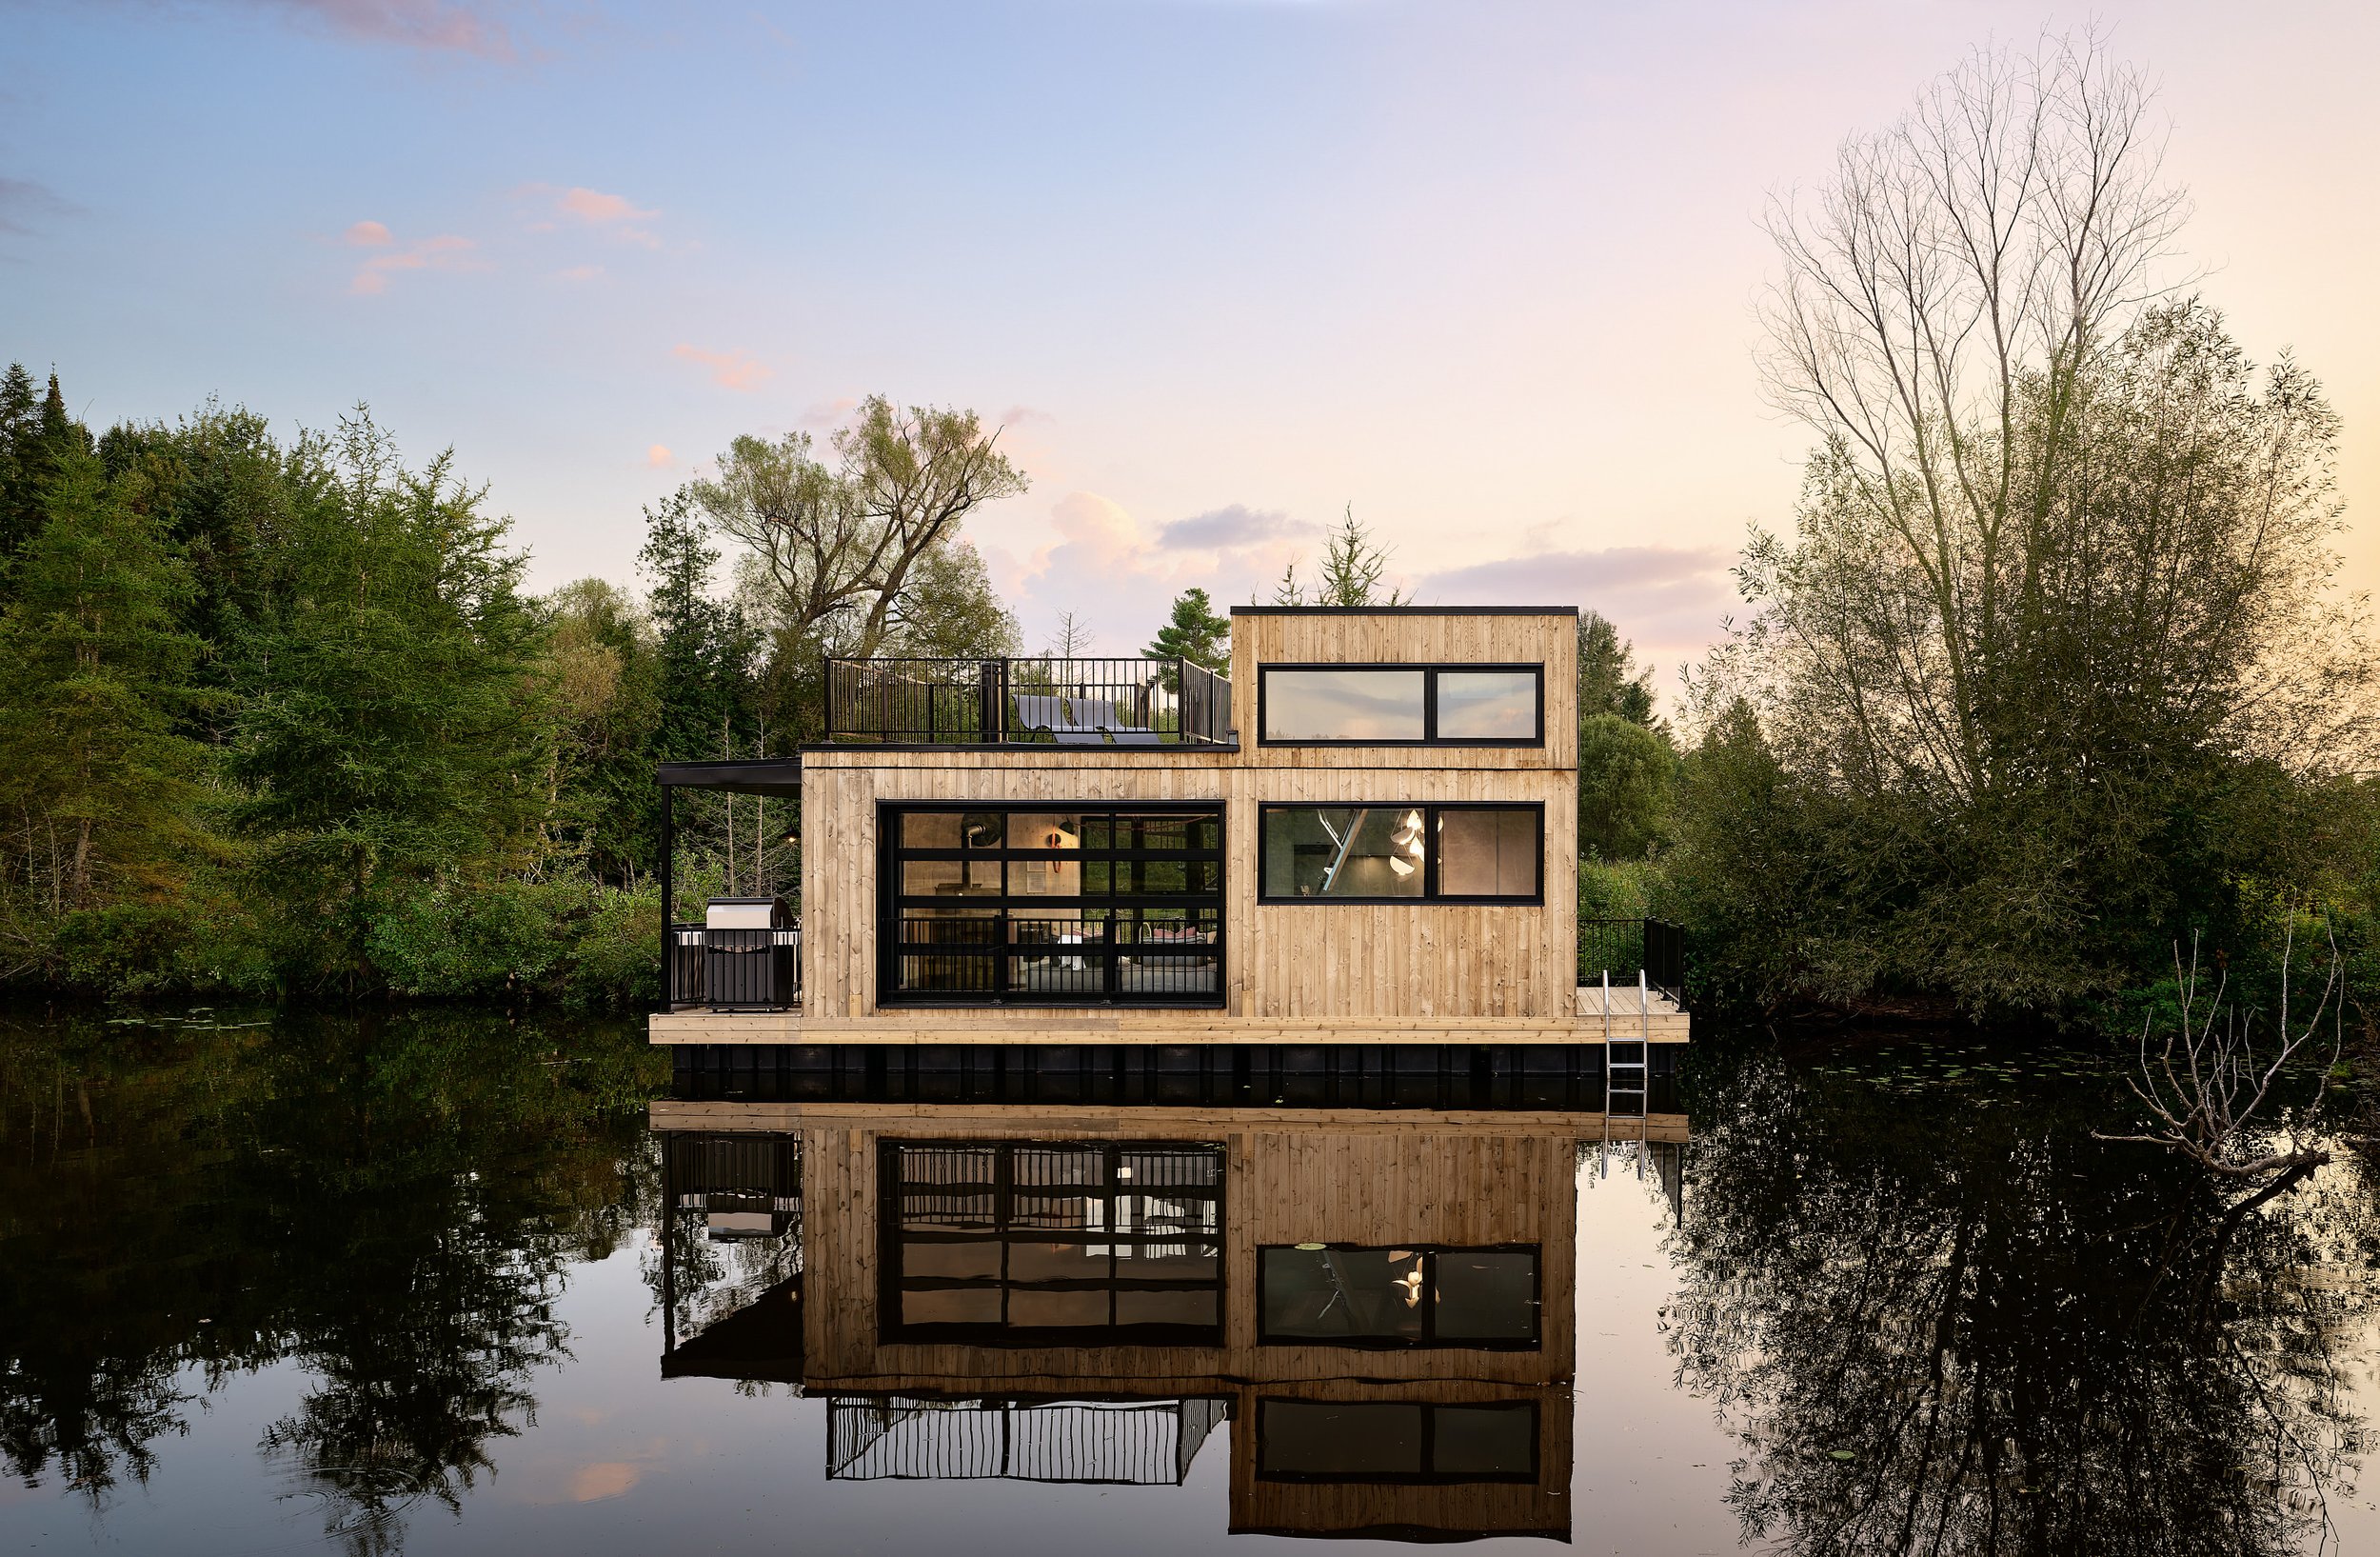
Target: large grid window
[(1053, 906), (1395, 1440), (1402, 854), (1011, 1243), (1400, 705), (1416, 1296)]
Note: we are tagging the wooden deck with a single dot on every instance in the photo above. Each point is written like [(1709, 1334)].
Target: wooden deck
[(1663, 1023)]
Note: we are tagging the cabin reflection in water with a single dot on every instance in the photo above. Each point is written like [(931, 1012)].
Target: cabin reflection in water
[(1380, 1306)]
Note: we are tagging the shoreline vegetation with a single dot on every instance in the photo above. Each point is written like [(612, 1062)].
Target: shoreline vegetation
[(2055, 670)]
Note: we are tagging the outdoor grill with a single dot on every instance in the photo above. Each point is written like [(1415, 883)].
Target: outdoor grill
[(751, 954)]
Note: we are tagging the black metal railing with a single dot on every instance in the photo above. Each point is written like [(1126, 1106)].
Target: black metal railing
[(745, 969), (1624, 948), (1047, 701), (896, 1437), (1024, 961)]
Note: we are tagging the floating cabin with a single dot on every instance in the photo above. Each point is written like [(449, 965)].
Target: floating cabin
[(1364, 835), (1381, 1305)]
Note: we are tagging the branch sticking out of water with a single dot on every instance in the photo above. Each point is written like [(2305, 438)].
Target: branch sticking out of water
[(2207, 1082)]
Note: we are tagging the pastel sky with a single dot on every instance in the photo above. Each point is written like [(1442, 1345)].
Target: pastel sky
[(1218, 267)]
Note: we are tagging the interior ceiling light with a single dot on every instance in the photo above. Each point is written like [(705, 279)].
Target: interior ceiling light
[(1402, 866)]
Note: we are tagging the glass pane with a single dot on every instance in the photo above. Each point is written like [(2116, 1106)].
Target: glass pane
[(1045, 829), (1199, 1307), (1068, 1261), (1044, 878), (1033, 1310), (947, 973), (1487, 1295), (1342, 1294), (1487, 854), (1487, 705), (1343, 704), (929, 830), (1337, 851), (1484, 1440), (951, 1306), (1338, 1438), (972, 1257), (949, 878)]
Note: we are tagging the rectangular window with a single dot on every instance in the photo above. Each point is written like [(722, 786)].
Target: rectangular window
[(1418, 1296), (1395, 1440), (1402, 854), (1024, 1243), (1400, 705), (1074, 907)]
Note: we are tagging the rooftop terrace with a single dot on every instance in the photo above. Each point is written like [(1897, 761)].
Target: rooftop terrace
[(1040, 701)]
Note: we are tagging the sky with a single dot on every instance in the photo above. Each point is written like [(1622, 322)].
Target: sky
[(1217, 268)]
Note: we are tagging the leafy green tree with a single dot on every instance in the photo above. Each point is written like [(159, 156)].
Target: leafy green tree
[(2054, 648), (101, 786), (606, 679), (1626, 777), (392, 716)]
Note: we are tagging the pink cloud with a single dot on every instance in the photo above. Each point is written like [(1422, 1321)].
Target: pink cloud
[(594, 206), (439, 26), (738, 371), (615, 215), (580, 272), (368, 236), (658, 456), (829, 413), (446, 251)]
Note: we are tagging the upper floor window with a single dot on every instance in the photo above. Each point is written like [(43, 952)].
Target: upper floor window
[(1402, 705), (1417, 1296), (1480, 853)]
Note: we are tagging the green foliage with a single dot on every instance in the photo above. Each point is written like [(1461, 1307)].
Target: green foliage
[(1193, 632), (1627, 774), (1352, 568), (99, 783), (1609, 679), (280, 720)]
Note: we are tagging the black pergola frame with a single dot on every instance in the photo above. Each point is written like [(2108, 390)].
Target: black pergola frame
[(775, 776)]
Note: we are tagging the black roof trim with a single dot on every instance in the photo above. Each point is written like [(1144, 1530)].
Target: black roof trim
[(1404, 610), (747, 776)]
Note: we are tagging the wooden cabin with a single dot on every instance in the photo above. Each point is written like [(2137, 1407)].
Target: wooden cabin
[(1380, 1304), (1365, 833)]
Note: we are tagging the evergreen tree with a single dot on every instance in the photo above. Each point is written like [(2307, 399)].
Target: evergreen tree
[(1609, 679), (1193, 633), (99, 787), (1353, 564), (20, 427), (705, 648)]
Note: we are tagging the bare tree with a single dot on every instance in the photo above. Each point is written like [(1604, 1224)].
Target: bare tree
[(2207, 1082), (837, 550), (1072, 640)]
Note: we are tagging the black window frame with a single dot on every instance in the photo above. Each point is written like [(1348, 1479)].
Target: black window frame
[(1431, 896), (1004, 908), (1428, 1472), (1430, 670), (1429, 1339), (893, 1240)]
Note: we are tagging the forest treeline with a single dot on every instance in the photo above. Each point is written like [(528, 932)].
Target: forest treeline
[(282, 717)]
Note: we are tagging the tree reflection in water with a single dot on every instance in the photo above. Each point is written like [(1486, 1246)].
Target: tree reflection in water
[(388, 1201), (1947, 1321)]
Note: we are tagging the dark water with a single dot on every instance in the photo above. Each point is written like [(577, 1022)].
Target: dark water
[(440, 1282)]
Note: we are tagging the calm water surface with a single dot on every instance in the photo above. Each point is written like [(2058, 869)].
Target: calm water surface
[(439, 1283)]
